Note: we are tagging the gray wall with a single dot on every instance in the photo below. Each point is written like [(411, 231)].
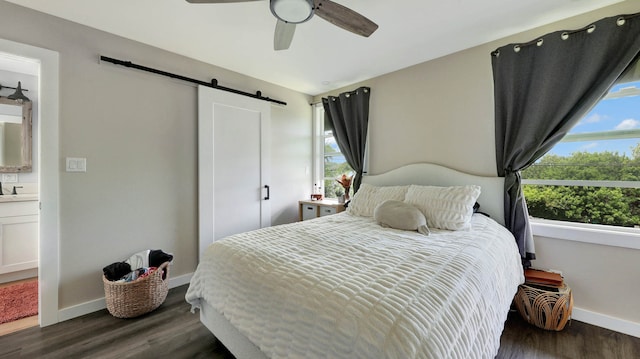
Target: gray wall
[(138, 132), (442, 111)]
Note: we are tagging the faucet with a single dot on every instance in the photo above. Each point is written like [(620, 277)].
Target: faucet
[(14, 189)]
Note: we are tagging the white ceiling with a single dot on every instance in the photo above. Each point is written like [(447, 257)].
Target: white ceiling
[(322, 57)]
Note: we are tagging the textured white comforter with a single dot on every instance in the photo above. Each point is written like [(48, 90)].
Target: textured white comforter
[(343, 287)]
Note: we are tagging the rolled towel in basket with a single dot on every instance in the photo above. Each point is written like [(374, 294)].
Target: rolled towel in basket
[(149, 258)]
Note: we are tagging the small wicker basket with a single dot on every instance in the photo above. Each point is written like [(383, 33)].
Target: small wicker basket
[(132, 299), (545, 309)]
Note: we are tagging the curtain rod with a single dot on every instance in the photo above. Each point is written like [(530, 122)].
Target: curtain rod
[(212, 84), (564, 35)]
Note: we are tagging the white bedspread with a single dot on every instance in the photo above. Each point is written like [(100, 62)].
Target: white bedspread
[(341, 286)]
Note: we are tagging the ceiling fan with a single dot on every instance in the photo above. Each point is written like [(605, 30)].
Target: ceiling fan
[(292, 12)]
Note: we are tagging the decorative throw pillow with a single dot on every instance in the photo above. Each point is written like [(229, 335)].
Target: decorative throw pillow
[(369, 196), (445, 207), (400, 215)]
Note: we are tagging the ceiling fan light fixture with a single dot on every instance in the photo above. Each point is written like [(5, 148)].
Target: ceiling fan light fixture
[(292, 11)]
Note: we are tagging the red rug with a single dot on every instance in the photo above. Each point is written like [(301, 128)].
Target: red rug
[(18, 301)]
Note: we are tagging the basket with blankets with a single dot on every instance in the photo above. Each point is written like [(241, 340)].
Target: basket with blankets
[(138, 285)]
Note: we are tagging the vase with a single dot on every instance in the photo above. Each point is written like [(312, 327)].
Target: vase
[(346, 193)]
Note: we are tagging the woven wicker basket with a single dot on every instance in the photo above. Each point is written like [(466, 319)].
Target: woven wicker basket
[(128, 300), (545, 309)]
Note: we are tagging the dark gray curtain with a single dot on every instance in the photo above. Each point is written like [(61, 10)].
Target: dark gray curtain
[(542, 89), (348, 116)]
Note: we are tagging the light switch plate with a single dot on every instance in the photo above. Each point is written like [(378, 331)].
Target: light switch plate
[(76, 164), (9, 177)]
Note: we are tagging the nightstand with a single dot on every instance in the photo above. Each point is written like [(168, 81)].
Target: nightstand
[(312, 209)]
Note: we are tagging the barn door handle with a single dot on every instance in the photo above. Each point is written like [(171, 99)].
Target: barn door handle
[(268, 194)]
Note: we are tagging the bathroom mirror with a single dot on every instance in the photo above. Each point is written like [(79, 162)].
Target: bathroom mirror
[(15, 136)]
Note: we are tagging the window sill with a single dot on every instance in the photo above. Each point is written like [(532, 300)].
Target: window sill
[(587, 233)]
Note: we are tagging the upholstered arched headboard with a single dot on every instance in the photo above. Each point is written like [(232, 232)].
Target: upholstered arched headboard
[(491, 198)]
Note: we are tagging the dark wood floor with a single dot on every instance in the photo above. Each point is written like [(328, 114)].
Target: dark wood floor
[(173, 332), (577, 340)]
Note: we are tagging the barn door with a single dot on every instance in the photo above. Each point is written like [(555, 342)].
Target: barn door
[(233, 165)]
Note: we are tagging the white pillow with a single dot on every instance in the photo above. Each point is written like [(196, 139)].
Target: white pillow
[(400, 215), (444, 207), (368, 197)]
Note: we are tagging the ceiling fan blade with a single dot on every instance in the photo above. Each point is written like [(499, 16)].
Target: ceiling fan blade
[(216, 1), (283, 35), (345, 18)]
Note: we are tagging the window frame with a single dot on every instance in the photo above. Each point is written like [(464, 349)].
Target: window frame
[(319, 138), (318, 145), (624, 237), (608, 235), (617, 236)]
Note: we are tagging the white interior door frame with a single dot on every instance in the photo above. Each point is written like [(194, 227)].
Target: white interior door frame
[(49, 176), (207, 99)]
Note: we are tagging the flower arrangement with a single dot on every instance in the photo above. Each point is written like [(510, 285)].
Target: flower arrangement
[(345, 182)]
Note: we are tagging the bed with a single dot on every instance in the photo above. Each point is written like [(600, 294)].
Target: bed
[(343, 286)]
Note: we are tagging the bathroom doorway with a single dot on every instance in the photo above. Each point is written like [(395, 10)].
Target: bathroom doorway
[(45, 159), (19, 199)]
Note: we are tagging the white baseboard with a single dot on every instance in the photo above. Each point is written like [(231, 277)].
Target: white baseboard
[(605, 321), (81, 309), (100, 303), (19, 275)]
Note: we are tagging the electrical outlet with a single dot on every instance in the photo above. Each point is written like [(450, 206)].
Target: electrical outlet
[(9, 177)]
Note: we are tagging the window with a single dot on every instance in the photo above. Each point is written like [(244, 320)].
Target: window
[(593, 174), (329, 163)]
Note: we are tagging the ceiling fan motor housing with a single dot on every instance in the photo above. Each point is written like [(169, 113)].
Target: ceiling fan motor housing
[(292, 11)]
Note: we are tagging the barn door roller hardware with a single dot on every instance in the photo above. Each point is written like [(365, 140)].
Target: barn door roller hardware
[(212, 84)]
